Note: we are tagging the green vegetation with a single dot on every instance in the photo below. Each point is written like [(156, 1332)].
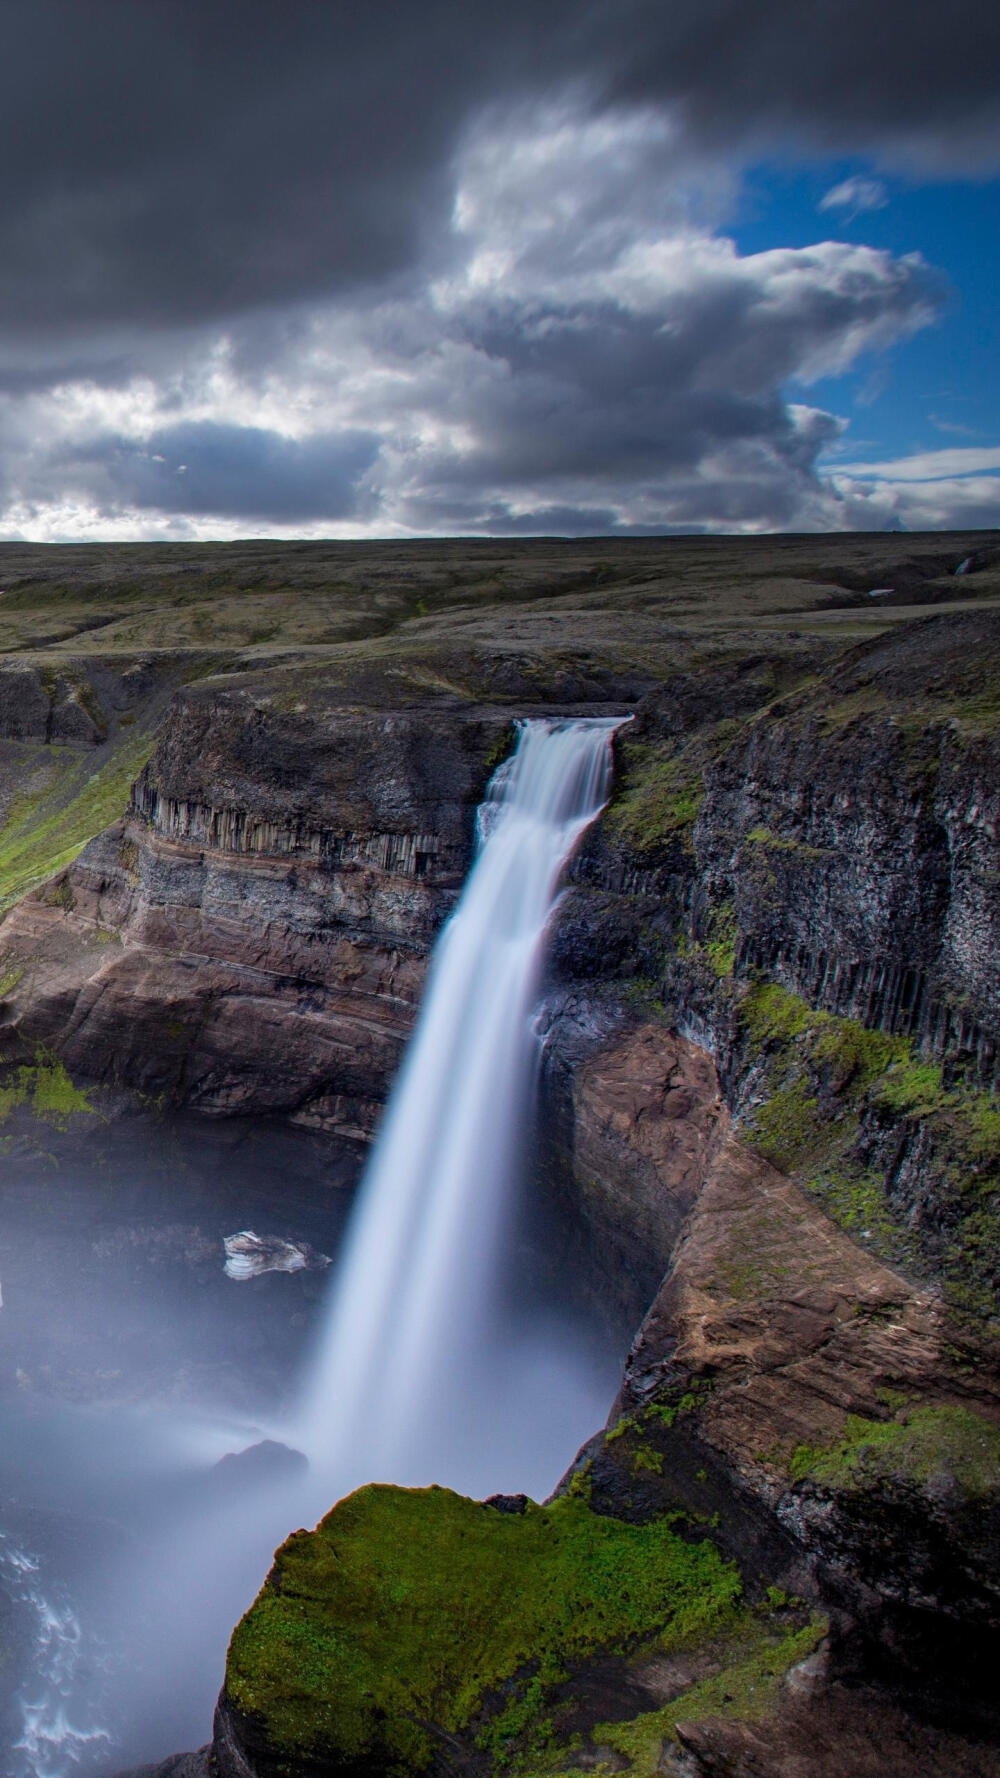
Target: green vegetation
[(775, 842), (44, 833), (826, 1081), (502, 746), (720, 947), (772, 1015), (789, 1125), (746, 1684), (47, 1088), (921, 1445), (658, 796), (649, 1459), (408, 1610)]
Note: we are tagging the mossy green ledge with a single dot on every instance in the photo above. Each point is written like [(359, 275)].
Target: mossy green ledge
[(418, 1633)]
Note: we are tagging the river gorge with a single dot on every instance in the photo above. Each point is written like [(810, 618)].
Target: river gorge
[(755, 1236)]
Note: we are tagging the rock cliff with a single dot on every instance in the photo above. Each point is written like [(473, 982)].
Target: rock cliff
[(771, 1041), (252, 935)]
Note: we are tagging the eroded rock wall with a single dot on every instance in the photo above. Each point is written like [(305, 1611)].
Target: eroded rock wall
[(253, 935)]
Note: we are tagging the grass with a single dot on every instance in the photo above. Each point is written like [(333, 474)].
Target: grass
[(45, 833)]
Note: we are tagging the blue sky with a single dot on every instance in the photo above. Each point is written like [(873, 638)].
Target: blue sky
[(941, 387)]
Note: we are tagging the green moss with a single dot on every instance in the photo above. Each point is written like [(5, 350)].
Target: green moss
[(847, 1050), (649, 1459), (788, 1126), (745, 1687), (621, 1428), (776, 842), (769, 1013), (855, 1197), (823, 1082), (11, 1096), (48, 1088), (920, 1445), (53, 1095), (723, 933), (501, 748), (912, 1087), (658, 796), (409, 1608)]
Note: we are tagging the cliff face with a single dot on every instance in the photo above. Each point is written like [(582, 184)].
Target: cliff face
[(855, 830), (810, 890), (253, 935), (771, 1030)]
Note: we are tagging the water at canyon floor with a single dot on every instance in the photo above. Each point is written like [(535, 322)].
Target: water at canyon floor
[(131, 1364)]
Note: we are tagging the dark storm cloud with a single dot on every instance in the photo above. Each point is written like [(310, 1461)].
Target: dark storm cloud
[(173, 161), (204, 467), (597, 387), (913, 79)]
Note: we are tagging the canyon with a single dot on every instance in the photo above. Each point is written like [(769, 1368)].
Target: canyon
[(768, 1129)]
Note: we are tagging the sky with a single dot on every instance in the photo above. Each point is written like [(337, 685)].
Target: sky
[(434, 267)]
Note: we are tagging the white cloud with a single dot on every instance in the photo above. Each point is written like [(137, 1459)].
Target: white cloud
[(926, 466), (855, 196), (970, 503)]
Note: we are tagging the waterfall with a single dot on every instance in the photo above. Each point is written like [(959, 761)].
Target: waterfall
[(411, 1300)]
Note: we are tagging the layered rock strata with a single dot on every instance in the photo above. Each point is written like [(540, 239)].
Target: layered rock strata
[(253, 935)]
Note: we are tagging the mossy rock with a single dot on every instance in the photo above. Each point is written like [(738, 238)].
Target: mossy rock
[(940, 1447), (413, 1622)]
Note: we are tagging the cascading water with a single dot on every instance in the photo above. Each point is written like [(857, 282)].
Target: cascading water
[(412, 1297)]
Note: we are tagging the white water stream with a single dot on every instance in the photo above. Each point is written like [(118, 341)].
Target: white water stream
[(411, 1304)]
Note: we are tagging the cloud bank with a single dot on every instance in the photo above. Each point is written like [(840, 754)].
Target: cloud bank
[(369, 271)]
